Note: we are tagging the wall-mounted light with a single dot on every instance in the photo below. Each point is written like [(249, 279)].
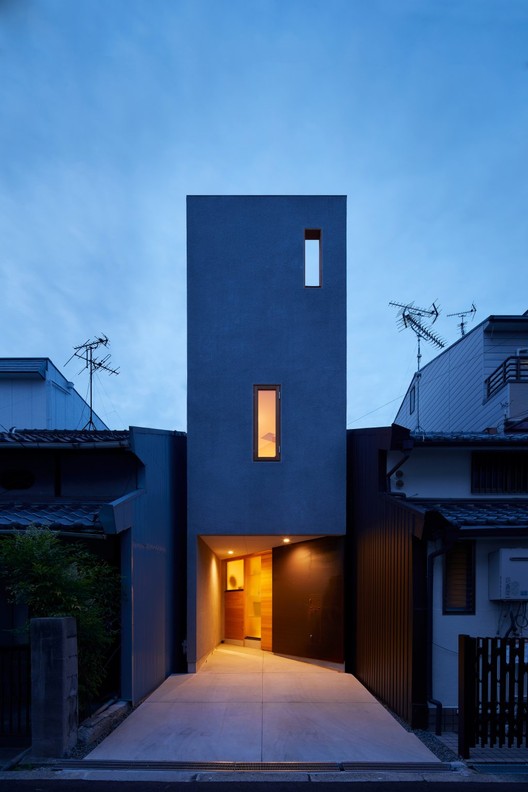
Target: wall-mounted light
[(286, 540)]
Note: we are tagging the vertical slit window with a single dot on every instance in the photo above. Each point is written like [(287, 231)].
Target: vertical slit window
[(412, 400), (266, 422), (459, 579), (312, 258)]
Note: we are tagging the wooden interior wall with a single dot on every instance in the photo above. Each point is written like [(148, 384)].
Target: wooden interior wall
[(266, 601), (234, 615)]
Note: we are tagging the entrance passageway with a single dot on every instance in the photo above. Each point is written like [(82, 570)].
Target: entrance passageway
[(247, 705)]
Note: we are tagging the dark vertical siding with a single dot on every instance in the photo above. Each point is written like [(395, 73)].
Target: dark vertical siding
[(389, 653), (157, 556)]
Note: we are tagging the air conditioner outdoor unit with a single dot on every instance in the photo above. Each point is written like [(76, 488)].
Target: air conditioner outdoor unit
[(508, 574)]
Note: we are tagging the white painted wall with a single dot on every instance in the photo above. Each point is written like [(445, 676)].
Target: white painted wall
[(433, 473), (446, 629), (209, 597), (452, 394)]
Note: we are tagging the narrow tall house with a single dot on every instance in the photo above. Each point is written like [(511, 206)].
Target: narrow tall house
[(266, 423)]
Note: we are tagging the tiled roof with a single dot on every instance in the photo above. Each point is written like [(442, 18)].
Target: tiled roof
[(83, 517), (468, 438), (468, 514), (64, 437)]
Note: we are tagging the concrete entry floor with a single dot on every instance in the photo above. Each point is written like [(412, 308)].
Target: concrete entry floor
[(246, 705)]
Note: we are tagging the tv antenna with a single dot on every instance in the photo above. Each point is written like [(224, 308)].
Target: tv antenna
[(86, 352), (419, 320), (463, 320)]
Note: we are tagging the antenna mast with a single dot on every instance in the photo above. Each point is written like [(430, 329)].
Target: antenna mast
[(410, 316), (463, 320), (85, 352)]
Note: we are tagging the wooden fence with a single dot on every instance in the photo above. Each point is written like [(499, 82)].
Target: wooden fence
[(15, 695), (492, 693)]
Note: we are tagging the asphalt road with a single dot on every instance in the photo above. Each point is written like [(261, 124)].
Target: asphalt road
[(63, 785)]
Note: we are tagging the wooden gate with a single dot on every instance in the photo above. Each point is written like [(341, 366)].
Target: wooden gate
[(492, 693), (15, 695)]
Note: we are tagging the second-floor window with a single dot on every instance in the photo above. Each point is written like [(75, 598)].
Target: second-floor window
[(499, 472), (266, 422)]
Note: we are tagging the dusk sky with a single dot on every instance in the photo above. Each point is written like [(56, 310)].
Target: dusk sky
[(112, 111)]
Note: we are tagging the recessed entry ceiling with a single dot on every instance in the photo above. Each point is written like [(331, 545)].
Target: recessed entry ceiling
[(245, 545)]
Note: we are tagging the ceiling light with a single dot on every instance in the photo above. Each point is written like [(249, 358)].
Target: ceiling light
[(229, 552)]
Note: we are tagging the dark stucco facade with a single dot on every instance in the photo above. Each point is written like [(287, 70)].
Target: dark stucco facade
[(252, 321)]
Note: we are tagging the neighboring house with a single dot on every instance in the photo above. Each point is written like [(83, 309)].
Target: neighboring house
[(479, 383), (266, 423), (35, 395), (122, 493), (436, 515)]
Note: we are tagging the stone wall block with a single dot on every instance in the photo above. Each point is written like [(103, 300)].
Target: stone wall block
[(54, 686)]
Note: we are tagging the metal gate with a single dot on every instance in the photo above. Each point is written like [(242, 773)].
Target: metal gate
[(492, 693), (15, 695)]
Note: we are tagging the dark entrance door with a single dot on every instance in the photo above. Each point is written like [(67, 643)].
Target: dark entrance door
[(308, 599)]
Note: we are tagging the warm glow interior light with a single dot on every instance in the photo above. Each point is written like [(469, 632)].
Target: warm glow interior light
[(267, 423), (286, 540), (229, 552), (235, 574)]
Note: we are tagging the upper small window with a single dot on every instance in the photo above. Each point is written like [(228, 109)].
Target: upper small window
[(412, 399), (313, 272), (266, 422)]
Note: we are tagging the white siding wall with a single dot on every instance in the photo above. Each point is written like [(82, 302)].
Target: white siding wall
[(517, 400), (36, 403), (511, 401), (451, 388), (499, 346), (23, 404)]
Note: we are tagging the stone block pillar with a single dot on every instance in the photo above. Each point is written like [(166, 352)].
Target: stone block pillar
[(54, 685)]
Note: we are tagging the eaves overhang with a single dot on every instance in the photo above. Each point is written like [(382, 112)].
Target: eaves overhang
[(511, 324), (473, 518), (23, 368), (68, 517), (405, 439), (65, 438), (87, 518), (469, 439)]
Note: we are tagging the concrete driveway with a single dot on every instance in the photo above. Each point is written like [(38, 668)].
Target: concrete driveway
[(245, 705)]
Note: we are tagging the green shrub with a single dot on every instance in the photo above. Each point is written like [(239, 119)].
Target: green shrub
[(57, 579)]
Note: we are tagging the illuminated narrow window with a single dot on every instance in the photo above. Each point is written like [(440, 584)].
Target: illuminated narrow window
[(266, 422), (312, 257), (459, 579)]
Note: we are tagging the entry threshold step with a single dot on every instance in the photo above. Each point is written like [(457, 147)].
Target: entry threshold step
[(282, 767)]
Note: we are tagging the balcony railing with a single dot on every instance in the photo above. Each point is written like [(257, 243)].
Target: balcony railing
[(513, 369)]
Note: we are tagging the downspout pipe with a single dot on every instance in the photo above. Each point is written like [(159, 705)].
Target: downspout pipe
[(431, 558)]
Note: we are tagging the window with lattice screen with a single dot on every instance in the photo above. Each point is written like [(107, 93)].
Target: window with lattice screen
[(459, 579)]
